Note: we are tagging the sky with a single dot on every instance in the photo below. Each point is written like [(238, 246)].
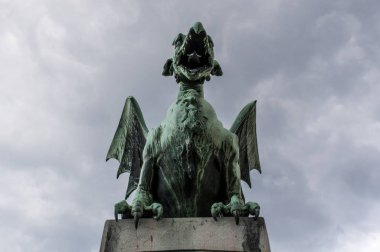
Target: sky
[(68, 66)]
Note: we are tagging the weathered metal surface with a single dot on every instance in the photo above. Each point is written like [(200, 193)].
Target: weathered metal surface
[(191, 234), (189, 165)]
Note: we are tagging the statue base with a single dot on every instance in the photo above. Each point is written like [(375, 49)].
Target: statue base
[(190, 234)]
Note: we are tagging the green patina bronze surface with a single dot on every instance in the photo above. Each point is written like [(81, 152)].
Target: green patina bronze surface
[(190, 165)]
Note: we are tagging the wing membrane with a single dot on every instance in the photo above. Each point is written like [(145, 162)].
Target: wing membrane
[(244, 127), (128, 143)]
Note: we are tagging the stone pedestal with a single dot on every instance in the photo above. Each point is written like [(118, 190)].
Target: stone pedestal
[(190, 234)]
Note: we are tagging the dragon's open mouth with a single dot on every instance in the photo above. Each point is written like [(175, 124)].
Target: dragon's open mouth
[(193, 59), (194, 55)]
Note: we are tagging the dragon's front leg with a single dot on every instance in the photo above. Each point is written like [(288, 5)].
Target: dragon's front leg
[(235, 208), (142, 205)]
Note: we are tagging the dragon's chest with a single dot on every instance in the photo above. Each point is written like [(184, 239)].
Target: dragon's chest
[(189, 174), (187, 154)]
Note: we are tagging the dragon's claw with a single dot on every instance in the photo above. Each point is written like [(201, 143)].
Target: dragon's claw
[(236, 209), (217, 210), (139, 209), (253, 209), (122, 208), (157, 211), (136, 218), (236, 214)]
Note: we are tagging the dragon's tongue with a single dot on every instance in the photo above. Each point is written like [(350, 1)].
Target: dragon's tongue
[(193, 57)]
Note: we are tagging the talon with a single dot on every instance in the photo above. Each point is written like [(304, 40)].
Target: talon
[(254, 209), (137, 211), (236, 214), (157, 211), (257, 212), (216, 210), (136, 217)]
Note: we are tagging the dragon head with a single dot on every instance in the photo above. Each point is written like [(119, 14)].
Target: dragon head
[(193, 60)]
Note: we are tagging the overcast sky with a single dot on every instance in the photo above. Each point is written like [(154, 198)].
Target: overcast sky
[(67, 67)]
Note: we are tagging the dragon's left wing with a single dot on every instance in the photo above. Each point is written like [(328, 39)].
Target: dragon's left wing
[(244, 127), (128, 143)]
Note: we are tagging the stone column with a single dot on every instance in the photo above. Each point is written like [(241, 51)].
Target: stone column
[(191, 234)]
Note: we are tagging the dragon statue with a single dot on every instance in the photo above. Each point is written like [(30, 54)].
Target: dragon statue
[(190, 165)]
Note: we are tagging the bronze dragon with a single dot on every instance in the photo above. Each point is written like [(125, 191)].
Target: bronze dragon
[(190, 165)]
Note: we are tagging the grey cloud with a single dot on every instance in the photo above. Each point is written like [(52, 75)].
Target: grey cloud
[(313, 66)]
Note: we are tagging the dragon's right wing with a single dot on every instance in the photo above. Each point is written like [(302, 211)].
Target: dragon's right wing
[(128, 143)]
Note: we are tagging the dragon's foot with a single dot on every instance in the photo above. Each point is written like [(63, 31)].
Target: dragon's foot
[(235, 208), (122, 208), (253, 209), (139, 209), (218, 210)]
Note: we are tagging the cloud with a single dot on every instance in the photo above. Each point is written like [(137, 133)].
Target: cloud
[(68, 67)]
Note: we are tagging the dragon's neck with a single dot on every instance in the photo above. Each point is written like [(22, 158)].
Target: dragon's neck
[(196, 89)]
